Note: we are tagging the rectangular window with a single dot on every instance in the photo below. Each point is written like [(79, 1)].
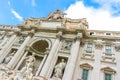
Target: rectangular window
[(89, 47), (108, 76), (108, 34), (91, 33), (108, 49), (85, 74)]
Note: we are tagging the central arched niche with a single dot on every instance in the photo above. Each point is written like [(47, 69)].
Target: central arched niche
[(40, 46)]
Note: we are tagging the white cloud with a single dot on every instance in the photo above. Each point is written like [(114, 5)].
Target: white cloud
[(16, 15), (33, 3), (98, 19), (107, 1), (113, 5)]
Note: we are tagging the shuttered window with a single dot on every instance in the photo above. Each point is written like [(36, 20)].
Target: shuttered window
[(108, 49), (108, 76), (85, 74)]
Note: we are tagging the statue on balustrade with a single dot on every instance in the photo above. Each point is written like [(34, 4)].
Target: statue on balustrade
[(27, 70), (56, 15), (59, 69), (9, 57)]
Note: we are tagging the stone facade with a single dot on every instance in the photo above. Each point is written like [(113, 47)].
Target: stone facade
[(58, 48)]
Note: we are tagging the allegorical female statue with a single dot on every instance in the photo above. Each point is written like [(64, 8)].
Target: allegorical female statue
[(59, 68), (26, 72)]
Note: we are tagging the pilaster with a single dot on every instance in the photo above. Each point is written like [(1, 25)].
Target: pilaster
[(51, 54), (70, 68)]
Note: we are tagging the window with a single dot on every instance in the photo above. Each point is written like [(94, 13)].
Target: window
[(85, 74), (91, 33), (108, 33), (89, 47), (108, 76), (108, 49)]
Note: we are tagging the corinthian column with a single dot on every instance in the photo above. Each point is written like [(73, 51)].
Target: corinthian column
[(69, 71), (19, 53), (51, 54), (7, 46)]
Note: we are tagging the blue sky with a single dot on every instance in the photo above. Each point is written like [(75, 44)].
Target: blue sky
[(101, 14)]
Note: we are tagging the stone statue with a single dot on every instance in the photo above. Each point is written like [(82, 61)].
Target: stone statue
[(26, 71), (30, 60), (59, 69), (56, 15), (9, 57)]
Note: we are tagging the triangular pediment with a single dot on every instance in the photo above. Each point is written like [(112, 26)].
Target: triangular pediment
[(86, 66), (108, 70)]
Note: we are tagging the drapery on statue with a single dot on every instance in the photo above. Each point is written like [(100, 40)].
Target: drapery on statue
[(28, 68), (26, 72), (59, 69)]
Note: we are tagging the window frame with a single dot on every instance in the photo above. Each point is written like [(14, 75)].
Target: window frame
[(108, 49), (89, 47), (83, 74), (108, 74)]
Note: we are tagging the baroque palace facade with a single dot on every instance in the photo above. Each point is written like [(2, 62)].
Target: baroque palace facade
[(58, 48)]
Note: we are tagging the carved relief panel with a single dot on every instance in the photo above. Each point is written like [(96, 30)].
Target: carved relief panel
[(66, 45)]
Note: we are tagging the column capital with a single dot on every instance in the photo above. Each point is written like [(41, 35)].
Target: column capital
[(59, 34), (79, 36), (31, 33)]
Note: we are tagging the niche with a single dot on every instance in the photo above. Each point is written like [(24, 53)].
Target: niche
[(35, 62), (9, 56), (59, 67)]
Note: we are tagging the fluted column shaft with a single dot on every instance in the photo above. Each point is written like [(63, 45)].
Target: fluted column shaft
[(69, 72), (19, 53), (50, 56)]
